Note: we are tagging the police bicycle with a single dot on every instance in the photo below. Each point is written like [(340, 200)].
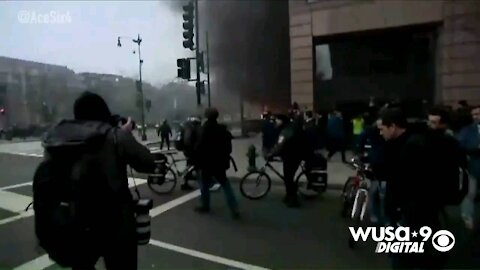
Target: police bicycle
[(355, 195), (188, 173), (257, 184), (164, 179)]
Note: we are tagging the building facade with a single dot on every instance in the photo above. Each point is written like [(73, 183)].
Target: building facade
[(456, 64), (30, 90)]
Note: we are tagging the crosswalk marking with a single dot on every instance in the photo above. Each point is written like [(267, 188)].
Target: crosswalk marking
[(41, 262), (138, 181), (17, 203), (131, 183), (26, 214), (205, 256), (16, 186), (13, 202), (23, 154), (174, 203)]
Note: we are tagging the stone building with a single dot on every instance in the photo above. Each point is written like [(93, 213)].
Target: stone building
[(444, 65), (30, 89)]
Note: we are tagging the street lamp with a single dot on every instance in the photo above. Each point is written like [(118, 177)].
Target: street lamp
[(138, 41)]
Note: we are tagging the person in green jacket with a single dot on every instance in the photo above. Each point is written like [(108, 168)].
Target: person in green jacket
[(358, 124)]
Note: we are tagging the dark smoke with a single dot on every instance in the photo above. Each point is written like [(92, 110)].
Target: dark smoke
[(249, 45)]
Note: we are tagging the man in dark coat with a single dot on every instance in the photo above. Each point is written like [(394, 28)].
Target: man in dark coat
[(112, 147)]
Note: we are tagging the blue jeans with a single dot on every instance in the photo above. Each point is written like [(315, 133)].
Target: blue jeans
[(221, 177), (376, 202), (468, 205)]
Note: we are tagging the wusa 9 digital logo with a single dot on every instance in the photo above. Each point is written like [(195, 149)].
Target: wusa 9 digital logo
[(403, 240)]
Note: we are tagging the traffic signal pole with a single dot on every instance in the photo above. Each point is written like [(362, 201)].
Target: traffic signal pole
[(139, 86), (208, 73), (140, 62), (197, 52)]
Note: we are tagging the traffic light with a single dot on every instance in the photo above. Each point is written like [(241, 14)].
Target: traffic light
[(183, 68), (2, 110), (188, 26)]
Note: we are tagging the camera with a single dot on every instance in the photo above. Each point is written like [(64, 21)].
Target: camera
[(120, 120), (143, 220)]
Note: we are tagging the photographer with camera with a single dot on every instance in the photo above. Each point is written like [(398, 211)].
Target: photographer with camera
[(83, 206)]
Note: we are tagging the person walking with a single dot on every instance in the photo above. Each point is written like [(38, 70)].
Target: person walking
[(336, 135), (165, 134), (212, 153)]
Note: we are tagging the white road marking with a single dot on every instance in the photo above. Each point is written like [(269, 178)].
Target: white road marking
[(16, 186), (14, 202), (174, 203), (205, 256), (41, 262), (17, 203), (23, 154), (137, 181), (24, 214)]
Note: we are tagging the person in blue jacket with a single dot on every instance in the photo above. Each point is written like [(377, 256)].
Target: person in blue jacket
[(373, 144), (469, 138), (336, 135)]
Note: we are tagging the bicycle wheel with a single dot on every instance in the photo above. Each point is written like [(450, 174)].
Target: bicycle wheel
[(255, 185), (348, 195), (358, 211), (303, 188), (165, 185)]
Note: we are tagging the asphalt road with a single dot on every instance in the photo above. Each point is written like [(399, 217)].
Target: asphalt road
[(269, 235)]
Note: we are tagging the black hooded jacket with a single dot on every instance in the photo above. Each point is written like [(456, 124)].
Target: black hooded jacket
[(115, 149), (111, 147)]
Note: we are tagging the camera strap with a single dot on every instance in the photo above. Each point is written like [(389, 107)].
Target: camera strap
[(134, 183)]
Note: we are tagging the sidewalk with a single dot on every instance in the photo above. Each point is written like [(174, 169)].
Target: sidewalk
[(18, 140), (337, 171)]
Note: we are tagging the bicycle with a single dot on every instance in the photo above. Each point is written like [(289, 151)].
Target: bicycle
[(355, 195), (171, 168), (260, 176), (163, 175)]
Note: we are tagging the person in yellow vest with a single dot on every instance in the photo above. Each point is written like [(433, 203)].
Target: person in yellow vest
[(358, 124)]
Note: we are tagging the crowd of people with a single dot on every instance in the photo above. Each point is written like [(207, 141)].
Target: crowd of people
[(419, 166), (77, 224)]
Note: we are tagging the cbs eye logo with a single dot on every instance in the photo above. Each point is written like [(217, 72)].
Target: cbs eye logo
[(443, 241)]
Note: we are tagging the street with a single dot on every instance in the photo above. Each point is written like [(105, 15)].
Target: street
[(268, 236)]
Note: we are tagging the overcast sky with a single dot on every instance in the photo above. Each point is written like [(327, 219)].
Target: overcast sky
[(85, 36)]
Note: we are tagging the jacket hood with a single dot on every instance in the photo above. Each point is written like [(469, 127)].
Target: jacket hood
[(76, 133)]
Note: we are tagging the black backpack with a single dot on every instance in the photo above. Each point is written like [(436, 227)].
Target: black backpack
[(225, 142), (179, 140), (449, 163), (66, 221)]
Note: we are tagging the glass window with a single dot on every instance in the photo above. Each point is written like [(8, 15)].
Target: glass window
[(323, 60)]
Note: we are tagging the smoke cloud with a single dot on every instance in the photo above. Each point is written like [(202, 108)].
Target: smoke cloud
[(249, 46), (249, 51)]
